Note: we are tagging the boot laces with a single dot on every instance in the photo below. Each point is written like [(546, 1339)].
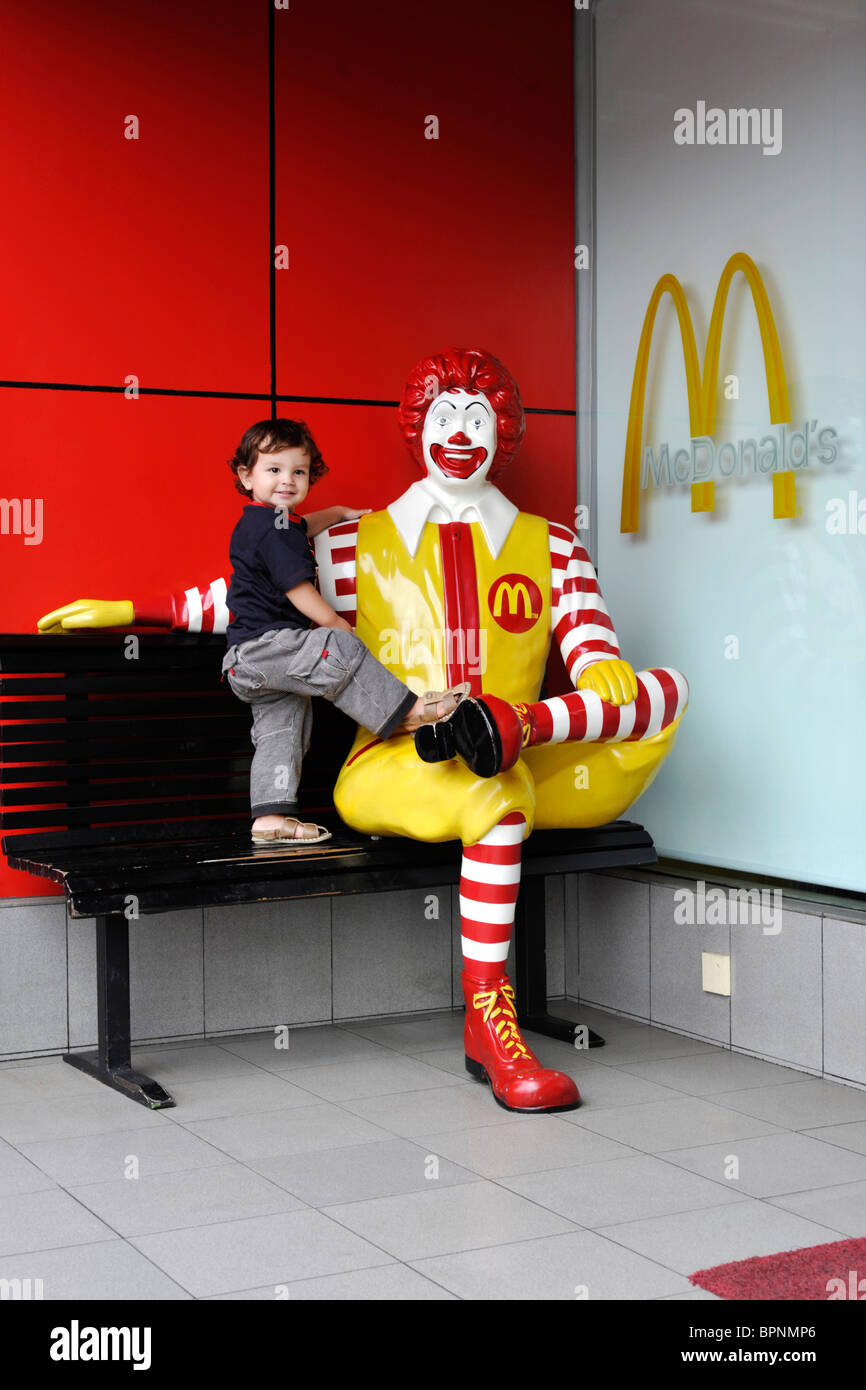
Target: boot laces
[(506, 1029)]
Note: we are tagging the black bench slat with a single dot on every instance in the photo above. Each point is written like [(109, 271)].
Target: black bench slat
[(112, 862), (60, 653), (55, 840), (147, 787), (211, 705), (132, 680), (174, 728), (106, 748), (108, 815), (58, 798), (70, 774)]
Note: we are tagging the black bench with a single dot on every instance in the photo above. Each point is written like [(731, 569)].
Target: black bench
[(133, 794)]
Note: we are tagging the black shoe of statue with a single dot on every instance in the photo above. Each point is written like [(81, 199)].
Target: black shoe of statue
[(470, 733)]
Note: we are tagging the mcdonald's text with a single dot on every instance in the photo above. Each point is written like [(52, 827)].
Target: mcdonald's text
[(784, 448)]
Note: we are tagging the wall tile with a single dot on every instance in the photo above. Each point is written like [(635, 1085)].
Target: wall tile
[(844, 993), (267, 964), (776, 997), (571, 915), (677, 998), (614, 943), (389, 956), (32, 977), (554, 892)]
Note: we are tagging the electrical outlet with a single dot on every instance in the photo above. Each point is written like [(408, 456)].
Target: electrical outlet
[(716, 973)]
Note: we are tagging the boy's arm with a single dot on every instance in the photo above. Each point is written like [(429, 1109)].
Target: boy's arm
[(320, 521), (310, 602), (330, 516)]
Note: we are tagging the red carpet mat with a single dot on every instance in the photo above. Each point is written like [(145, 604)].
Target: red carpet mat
[(819, 1273)]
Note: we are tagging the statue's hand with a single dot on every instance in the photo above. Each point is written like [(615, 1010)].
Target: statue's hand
[(613, 680), (89, 612)]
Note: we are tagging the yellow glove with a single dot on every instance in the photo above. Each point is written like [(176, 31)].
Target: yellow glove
[(89, 612), (613, 680)]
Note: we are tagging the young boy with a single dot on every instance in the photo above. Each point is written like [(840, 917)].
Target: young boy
[(277, 659)]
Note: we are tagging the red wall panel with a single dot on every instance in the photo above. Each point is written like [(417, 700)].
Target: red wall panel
[(143, 256), (400, 245)]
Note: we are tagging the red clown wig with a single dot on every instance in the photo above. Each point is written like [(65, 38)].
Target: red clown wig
[(467, 370)]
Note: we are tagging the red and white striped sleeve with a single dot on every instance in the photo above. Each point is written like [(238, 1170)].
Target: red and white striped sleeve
[(199, 609), (579, 619), (335, 556)]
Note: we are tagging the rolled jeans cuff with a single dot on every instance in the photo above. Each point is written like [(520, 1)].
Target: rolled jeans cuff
[(275, 808), (398, 716)]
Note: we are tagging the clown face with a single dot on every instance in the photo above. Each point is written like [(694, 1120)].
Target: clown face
[(459, 438)]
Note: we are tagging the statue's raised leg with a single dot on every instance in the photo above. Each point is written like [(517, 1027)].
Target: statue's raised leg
[(489, 734)]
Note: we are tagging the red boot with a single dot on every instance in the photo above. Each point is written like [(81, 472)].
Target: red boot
[(496, 1052)]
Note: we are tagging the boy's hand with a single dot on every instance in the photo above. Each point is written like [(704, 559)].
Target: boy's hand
[(331, 516)]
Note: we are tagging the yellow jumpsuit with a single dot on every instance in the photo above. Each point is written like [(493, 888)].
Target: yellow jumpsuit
[(384, 788)]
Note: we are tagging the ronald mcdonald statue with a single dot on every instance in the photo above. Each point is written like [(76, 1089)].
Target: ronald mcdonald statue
[(451, 583)]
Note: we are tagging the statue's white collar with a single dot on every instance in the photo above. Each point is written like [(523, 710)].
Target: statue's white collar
[(424, 502)]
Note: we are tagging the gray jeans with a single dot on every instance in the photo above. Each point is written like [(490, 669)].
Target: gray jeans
[(277, 673)]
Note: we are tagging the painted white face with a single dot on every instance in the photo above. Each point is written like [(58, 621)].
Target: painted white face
[(459, 437)]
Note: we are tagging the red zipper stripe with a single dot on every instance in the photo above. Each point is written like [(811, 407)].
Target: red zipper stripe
[(460, 592)]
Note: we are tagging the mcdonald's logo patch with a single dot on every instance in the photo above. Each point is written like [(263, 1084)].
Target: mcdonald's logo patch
[(515, 602)]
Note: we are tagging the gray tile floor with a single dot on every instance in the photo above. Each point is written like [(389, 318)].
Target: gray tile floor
[(362, 1163)]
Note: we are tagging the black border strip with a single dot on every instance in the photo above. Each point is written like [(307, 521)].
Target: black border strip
[(238, 395)]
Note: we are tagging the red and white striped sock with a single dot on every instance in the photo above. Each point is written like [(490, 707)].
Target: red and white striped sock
[(489, 884), (583, 717)]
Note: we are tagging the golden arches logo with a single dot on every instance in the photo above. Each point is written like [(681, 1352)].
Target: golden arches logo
[(515, 602), (512, 594), (702, 387)]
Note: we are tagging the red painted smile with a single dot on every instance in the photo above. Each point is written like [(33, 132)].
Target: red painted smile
[(457, 463)]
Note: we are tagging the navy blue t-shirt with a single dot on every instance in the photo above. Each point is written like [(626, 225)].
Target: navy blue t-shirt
[(270, 553)]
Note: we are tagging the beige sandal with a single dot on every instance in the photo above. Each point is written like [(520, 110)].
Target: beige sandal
[(281, 836), (449, 698)]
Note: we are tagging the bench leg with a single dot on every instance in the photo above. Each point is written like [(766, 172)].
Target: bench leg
[(530, 952), (112, 1063)]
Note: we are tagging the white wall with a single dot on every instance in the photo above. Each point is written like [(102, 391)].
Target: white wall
[(769, 770)]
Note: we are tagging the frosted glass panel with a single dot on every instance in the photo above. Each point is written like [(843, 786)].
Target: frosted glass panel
[(766, 617)]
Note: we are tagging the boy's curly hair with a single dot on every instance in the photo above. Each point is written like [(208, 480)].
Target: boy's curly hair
[(268, 437)]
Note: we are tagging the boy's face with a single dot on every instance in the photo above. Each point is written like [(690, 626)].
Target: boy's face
[(281, 479)]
